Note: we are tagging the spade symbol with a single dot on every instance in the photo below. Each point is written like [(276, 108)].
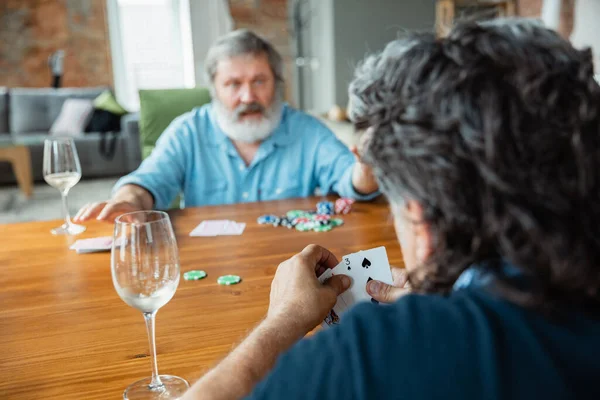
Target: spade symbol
[(366, 263)]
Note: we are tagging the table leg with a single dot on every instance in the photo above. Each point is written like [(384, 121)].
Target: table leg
[(22, 169)]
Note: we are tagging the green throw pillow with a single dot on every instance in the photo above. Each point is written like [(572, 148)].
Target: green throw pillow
[(107, 102), (158, 108)]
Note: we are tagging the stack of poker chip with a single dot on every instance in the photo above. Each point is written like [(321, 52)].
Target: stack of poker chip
[(343, 205), (320, 220), (325, 208), (269, 219)]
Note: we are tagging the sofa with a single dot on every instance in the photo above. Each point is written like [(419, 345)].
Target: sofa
[(26, 116)]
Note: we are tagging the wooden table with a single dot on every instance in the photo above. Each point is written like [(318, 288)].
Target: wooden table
[(65, 334)]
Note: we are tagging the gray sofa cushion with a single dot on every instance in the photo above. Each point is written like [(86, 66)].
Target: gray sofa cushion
[(34, 110), (3, 110)]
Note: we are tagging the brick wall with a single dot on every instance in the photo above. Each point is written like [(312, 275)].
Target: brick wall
[(530, 8), (31, 30), (268, 18)]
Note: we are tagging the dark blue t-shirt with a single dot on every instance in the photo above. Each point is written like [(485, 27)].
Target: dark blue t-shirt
[(468, 345)]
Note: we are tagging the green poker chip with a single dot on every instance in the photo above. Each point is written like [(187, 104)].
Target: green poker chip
[(304, 227), (295, 214), (336, 222), (229, 280), (323, 228), (194, 275)]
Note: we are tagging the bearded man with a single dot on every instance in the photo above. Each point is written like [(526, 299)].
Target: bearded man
[(246, 145)]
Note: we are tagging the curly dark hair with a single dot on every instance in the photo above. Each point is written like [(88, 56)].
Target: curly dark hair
[(495, 131)]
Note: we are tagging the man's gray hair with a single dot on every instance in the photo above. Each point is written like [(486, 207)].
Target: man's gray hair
[(241, 42)]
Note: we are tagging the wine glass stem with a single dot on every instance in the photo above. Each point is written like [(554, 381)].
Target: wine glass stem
[(149, 317), (65, 206)]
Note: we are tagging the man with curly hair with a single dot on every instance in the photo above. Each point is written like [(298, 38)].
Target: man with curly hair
[(487, 144)]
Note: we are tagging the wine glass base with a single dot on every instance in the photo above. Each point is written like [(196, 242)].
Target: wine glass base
[(68, 229), (173, 387)]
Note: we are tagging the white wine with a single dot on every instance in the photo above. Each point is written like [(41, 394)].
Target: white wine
[(151, 302), (63, 180)]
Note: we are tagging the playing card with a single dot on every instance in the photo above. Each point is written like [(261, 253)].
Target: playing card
[(325, 275), (339, 307), (364, 266), (233, 228), (92, 245), (361, 267), (210, 228), (220, 227)]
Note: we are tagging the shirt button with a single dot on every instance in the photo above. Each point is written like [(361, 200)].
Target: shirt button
[(278, 191), (245, 195), (241, 167)]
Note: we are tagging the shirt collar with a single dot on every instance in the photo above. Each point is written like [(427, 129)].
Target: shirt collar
[(280, 137), (484, 274)]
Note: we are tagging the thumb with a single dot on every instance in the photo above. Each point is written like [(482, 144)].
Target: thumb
[(385, 293), (339, 283)]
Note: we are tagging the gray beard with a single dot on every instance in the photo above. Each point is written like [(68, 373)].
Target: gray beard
[(248, 131)]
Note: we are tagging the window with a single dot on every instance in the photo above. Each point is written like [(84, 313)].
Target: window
[(151, 46)]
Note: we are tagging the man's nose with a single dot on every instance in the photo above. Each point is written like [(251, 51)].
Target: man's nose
[(247, 94)]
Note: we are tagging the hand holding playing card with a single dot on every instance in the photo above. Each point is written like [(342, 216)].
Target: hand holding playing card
[(385, 293), (297, 297), (363, 268)]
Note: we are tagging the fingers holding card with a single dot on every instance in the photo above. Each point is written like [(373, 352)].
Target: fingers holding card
[(361, 267)]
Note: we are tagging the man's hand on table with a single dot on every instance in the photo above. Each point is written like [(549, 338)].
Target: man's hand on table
[(105, 210), (298, 303), (129, 198)]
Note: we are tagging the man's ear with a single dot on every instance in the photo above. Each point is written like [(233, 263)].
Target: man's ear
[(421, 231)]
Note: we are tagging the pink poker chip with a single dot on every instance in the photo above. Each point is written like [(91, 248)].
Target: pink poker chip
[(343, 205), (301, 220)]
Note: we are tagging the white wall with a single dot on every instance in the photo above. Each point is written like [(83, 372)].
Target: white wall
[(322, 47), (209, 19), (364, 27), (586, 32)]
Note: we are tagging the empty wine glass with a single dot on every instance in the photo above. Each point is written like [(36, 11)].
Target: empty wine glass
[(145, 272), (62, 171)]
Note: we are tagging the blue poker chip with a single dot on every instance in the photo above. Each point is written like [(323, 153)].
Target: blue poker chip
[(267, 219), (325, 207)]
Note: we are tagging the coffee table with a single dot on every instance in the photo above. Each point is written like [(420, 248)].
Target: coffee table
[(19, 157)]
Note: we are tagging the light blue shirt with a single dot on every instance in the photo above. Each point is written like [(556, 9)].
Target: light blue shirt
[(195, 157)]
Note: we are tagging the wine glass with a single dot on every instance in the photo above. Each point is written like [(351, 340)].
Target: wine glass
[(62, 171), (145, 272)]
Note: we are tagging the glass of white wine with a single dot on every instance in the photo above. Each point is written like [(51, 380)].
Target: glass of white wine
[(62, 171), (145, 272)]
